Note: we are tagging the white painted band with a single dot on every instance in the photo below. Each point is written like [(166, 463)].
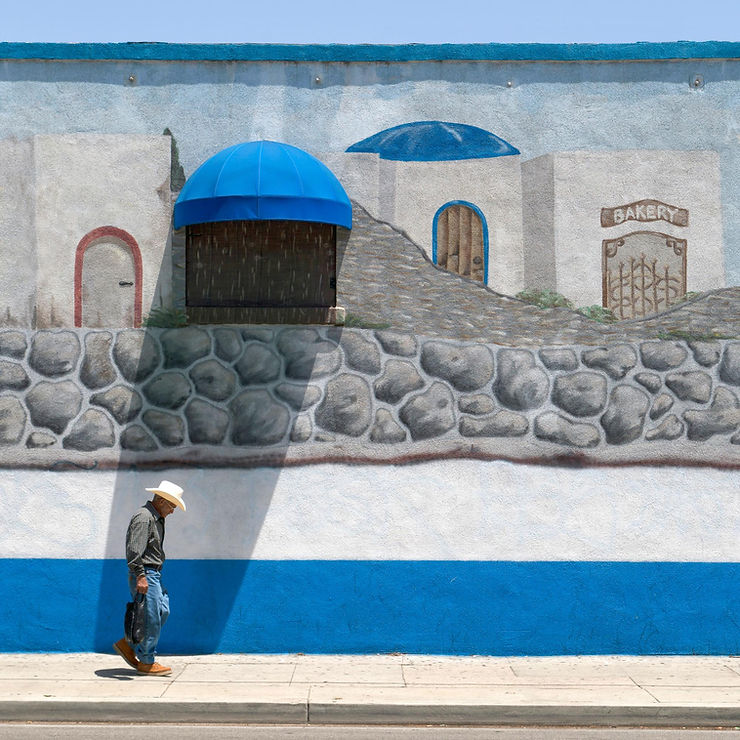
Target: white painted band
[(456, 510)]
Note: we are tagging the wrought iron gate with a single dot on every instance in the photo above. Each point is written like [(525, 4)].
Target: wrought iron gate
[(643, 272)]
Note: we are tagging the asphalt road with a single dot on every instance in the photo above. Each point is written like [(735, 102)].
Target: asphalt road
[(33, 731)]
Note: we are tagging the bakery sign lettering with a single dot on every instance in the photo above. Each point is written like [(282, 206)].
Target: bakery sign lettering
[(645, 210)]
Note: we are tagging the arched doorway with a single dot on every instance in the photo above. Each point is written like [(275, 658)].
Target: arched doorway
[(108, 274), (460, 240), (642, 273)]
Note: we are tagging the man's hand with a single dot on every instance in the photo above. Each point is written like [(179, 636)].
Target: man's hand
[(141, 585)]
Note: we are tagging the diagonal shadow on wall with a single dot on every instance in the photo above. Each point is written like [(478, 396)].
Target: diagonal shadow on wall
[(212, 409)]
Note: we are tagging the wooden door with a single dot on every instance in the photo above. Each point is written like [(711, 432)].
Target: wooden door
[(108, 285), (460, 241)]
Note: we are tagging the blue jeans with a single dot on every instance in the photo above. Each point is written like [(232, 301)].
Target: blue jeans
[(157, 611)]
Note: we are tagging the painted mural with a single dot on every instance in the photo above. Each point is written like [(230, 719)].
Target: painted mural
[(411, 294)]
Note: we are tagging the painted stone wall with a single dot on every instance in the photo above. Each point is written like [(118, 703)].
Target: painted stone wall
[(260, 396)]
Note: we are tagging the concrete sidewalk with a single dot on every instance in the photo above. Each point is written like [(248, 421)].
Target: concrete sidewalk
[(376, 689)]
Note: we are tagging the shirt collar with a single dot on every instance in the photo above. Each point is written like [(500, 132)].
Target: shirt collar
[(150, 506)]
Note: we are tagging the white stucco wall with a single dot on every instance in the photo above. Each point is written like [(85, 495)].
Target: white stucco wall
[(442, 510), (585, 182), (86, 181), (17, 238), (412, 192), (358, 173)]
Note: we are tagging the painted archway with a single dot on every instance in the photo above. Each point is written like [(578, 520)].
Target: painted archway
[(460, 240), (118, 251)]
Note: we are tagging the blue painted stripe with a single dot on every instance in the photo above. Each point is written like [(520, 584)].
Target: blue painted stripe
[(145, 51), (496, 608)]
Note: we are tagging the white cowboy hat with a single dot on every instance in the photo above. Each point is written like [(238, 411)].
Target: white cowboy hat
[(171, 492)]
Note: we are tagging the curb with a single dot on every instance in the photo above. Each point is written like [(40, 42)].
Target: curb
[(301, 713)]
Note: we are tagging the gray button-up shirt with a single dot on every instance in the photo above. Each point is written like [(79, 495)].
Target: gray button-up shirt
[(144, 540)]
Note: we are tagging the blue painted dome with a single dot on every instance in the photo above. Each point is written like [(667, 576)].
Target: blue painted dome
[(434, 141), (263, 181)]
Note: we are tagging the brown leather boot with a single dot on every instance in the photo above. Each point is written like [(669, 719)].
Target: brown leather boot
[(153, 669), (126, 652)]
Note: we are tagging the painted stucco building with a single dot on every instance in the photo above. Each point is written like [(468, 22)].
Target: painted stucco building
[(372, 488)]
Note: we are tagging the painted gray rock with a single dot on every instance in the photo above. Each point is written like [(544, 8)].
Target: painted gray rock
[(386, 430), (297, 396), (13, 377), (136, 354), (580, 394), (346, 407), (465, 368), (259, 335), (559, 359), (313, 361), (258, 419), (54, 353), (226, 344), (97, 370), (167, 390), (615, 361), (651, 381), (168, 428), (660, 406), (257, 365), (40, 440), (501, 424), (722, 417), (182, 347), (122, 402), (207, 424), (553, 427), (54, 405), (729, 369), (91, 431), (624, 418), (302, 428), (397, 343), (137, 438), (478, 405), (399, 378), (662, 355), (360, 353), (691, 386), (430, 414), (13, 344), (520, 385), (706, 353), (670, 428), (212, 380), (12, 420)]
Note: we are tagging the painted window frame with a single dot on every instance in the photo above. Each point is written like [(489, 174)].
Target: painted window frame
[(484, 227)]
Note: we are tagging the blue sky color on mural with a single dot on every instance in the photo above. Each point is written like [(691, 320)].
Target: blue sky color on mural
[(382, 21)]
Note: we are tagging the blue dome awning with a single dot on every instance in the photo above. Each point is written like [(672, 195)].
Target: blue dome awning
[(263, 181), (434, 141)]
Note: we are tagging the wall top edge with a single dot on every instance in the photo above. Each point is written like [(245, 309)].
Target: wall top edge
[(522, 52)]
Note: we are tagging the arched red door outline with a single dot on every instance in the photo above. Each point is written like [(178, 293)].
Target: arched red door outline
[(89, 239)]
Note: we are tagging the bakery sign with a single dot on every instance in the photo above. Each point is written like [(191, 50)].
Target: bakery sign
[(644, 210)]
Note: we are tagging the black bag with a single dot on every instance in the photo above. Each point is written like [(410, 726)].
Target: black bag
[(134, 623)]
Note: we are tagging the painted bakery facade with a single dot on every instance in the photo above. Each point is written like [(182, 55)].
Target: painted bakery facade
[(298, 281), (609, 228)]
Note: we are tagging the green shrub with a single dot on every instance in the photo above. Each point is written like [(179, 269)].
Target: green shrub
[(544, 298), (166, 318), (598, 313), (692, 336)]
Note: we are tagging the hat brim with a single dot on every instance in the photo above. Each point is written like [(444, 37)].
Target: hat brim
[(168, 497)]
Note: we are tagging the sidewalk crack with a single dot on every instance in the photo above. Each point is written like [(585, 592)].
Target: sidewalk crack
[(645, 689)]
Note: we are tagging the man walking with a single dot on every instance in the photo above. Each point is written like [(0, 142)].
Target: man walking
[(145, 556)]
